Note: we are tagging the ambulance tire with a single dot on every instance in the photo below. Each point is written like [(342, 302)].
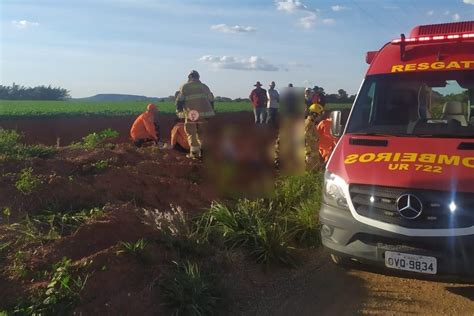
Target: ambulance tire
[(340, 261)]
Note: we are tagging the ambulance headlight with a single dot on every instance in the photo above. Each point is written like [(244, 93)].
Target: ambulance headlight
[(333, 190)]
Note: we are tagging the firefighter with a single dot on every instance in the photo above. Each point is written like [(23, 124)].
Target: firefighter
[(194, 103), (179, 139), (311, 137), (327, 142), (145, 129)]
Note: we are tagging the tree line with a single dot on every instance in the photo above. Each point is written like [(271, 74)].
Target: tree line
[(17, 92)]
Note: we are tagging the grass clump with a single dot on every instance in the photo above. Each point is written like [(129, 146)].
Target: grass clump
[(135, 249), (96, 140), (189, 291), (12, 148), (50, 225), (27, 183), (178, 232), (270, 229)]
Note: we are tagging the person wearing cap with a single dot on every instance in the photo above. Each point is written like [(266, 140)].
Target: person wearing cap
[(273, 99), (311, 137), (144, 128), (194, 103), (259, 99), (308, 100)]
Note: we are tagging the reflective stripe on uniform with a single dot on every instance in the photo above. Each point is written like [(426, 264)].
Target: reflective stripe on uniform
[(197, 96)]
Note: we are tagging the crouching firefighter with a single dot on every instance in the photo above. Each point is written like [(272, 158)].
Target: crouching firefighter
[(145, 128), (194, 103)]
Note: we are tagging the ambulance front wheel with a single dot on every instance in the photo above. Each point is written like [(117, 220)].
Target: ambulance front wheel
[(340, 261)]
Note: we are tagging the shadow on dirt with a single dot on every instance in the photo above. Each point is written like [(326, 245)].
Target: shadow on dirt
[(318, 288), (467, 292), (410, 275)]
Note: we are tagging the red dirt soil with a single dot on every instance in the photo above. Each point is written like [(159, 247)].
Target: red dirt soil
[(47, 130)]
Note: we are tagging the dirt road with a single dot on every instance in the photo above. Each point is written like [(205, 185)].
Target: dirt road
[(322, 288)]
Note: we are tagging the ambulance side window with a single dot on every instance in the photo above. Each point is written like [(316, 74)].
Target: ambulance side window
[(362, 117)]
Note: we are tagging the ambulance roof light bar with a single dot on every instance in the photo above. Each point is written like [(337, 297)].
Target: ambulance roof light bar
[(433, 39), (403, 41)]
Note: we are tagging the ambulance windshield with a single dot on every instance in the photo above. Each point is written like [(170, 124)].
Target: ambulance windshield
[(435, 104)]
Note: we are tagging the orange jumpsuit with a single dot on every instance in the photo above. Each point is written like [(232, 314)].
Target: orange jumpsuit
[(144, 127), (179, 136), (327, 142)]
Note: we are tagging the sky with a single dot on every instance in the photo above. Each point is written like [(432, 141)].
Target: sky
[(147, 47)]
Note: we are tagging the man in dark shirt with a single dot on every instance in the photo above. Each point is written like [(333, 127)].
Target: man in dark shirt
[(259, 99)]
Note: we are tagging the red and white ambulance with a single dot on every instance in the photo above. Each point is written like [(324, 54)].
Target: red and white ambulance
[(399, 186)]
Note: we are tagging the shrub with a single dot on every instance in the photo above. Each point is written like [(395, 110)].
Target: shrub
[(189, 291), (61, 294), (27, 183), (12, 148), (96, 140)]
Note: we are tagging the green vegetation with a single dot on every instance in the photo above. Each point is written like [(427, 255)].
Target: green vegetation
[(189, 291), (27, 183), (75, 108), (270, 229), (102, 164), (133, 248), (82, 108), (17, 92), (50, 225), (95, 140), (12, 148), (60, 295)]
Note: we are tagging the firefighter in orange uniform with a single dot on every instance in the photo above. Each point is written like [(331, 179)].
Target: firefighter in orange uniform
[(145, 129), (327, 142), (179, 137)]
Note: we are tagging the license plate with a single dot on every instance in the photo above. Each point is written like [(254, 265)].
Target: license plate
[(409, 262)]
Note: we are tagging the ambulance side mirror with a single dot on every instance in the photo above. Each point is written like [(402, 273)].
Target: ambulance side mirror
[(336, 126)]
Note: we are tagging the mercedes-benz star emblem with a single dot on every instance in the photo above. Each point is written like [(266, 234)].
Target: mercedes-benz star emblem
[(409, 206)]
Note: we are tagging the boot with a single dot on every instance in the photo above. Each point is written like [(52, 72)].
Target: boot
[(194, 153)]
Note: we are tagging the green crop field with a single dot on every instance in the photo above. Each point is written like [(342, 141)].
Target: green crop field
[(10, 108)]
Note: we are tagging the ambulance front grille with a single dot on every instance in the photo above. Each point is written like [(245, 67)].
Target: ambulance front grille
[(379, 203)]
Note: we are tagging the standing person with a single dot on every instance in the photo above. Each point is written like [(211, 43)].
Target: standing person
[(312, 138), (258, 96), (144, 128), (327, 142), (272, 104), (308, 100), (194, 103)]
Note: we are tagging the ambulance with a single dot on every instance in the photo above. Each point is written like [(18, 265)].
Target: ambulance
[(399, 186)]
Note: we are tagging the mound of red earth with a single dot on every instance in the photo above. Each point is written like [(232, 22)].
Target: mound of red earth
[(124, 181), (72, 179)]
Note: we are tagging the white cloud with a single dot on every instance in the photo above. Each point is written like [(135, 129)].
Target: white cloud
[(309, 17), (447, 12), (291, 6), (329, 21), (456, 17), (224, 28), (24, 24), (430, 13), (308, 21), (229, 62), (337, 8), (469, 2)]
